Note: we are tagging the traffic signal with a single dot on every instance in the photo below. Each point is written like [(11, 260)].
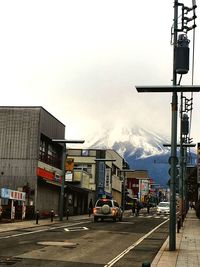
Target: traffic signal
[(176, 169)]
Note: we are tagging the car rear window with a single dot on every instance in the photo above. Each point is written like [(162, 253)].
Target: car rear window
[(102, 202), (163, 204)]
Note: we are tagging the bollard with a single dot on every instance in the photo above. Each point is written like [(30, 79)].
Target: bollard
[(52, 215), (146, 264), (178, 224), (37, 216), (67, 214)]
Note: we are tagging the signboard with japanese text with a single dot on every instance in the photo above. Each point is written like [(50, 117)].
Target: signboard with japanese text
[(12, 194), (101, 172), (68, 176), (69, 165)]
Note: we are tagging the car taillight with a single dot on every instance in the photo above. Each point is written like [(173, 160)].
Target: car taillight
[(94, 210), (114, 211)]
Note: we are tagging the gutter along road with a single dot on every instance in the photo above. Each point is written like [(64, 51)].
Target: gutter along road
[(85, 243)]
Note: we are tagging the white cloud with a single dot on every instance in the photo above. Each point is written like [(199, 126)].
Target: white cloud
[(80, 60)]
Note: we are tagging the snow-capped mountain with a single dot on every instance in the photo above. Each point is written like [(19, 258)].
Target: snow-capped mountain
[(136, 142), (141, 148)]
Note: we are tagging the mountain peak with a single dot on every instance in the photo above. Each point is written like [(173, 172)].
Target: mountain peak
[(131, 141)]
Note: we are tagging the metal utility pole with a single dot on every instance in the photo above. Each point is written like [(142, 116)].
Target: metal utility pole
[(181, 205), (172, 223), (180, 66)]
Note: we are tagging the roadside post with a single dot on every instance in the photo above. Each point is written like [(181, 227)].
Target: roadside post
[(37, 216), (52, 215), (67, 214), (178, 224)]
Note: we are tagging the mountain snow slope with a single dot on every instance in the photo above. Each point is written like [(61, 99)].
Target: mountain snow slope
[(136, 141), (141, 148)]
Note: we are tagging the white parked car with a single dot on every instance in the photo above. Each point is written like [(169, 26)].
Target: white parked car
[(163, 208)]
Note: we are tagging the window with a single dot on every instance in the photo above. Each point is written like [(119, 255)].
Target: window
[(84, 167), (85, 152), (116, 204), (102, 202)]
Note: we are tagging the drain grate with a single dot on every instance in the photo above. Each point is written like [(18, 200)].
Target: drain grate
[(9, 260)]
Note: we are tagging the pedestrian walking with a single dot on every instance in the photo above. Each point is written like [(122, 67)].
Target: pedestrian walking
[(90, 209), (137, 208), (148, 207)]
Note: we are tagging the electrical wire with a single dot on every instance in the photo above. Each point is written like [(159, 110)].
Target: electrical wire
[(190, 122), (193, 53)]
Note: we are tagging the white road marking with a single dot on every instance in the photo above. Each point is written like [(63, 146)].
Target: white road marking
[(123, 253), (76, 229), (58, 243), (38, 231)]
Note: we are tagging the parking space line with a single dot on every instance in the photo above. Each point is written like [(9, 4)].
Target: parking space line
[(41, 230)]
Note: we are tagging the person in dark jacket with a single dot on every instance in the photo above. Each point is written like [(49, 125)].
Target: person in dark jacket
[(148, 207), (137, 208), (90, 209)]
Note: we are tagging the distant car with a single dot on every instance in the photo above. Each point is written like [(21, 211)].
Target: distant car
[(107, 209), (163, 208)]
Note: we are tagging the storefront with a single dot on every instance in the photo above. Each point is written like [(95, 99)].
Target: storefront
[(13, 204)]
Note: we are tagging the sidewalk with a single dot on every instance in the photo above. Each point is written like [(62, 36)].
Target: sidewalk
[(187, 251)]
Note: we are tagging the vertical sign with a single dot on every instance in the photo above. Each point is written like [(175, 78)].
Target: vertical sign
[(101, 177), (101, 180), (198, 162), (107, 179)]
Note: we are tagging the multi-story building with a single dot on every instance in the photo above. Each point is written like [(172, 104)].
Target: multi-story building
[(97, 170), (29, 161), (139, 183)]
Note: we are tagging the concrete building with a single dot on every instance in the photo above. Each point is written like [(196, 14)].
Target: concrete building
[(98, 171), (139, 183), (29, 161)]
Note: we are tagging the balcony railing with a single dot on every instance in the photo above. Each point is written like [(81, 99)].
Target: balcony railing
[(50, 159)]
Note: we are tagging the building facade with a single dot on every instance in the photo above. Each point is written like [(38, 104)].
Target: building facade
[(138, 182), (99, 170), (29, 161)]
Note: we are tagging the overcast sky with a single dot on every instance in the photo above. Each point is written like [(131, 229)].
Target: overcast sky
[(80, 60)]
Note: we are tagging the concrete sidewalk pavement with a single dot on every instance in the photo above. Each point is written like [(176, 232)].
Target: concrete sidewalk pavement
[(187, 251)]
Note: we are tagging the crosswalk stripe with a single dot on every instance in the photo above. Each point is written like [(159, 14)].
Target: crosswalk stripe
[(148, 216)]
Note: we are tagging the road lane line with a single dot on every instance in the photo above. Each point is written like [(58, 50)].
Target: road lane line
[(123, 253), (41, 230)]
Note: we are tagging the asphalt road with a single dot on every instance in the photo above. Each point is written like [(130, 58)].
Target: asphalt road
[(85, 243)]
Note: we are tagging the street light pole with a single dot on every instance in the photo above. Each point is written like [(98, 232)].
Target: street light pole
[(62, 190), (172, 222)]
